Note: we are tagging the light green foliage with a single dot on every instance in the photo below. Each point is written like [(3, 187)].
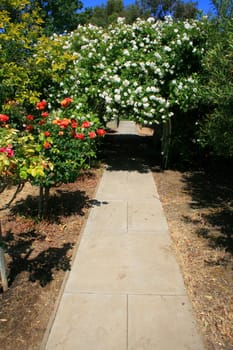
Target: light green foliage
[(50, 64), (20, 29), (25, 163)]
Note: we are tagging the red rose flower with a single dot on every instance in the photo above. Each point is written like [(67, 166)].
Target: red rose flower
[(79, 136), (74, 124), (41, 122), (47, 145), (47, 133), (63, 123), (41, 105), (100, 132), (86, 124), (66, 102), (29, 127), (44, 114), (92, 134), (8, 150), (4, 118), (30, 117)]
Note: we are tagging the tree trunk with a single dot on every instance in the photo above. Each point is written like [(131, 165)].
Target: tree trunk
[(166, 140), (43, 201), (46, 198)]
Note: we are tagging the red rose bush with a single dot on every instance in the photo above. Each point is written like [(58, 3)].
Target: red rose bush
[(48, 147)]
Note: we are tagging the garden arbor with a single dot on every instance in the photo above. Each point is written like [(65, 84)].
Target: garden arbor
[(146, 72)]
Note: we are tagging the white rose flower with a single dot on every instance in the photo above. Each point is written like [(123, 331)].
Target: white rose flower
[(150, 20), (126, 82), (167, 49), (138, 90), (157, 55), (126, 52), (117, 98), (187, 25), (108, 99), (116, 78)]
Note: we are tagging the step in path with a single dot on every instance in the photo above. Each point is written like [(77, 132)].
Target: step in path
[(125, 290)]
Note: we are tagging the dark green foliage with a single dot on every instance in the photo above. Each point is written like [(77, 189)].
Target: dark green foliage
[(59, 15), (222, 8), (216, 130)]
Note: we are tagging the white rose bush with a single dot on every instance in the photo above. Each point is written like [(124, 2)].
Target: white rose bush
[(147, 72), (140, 72)]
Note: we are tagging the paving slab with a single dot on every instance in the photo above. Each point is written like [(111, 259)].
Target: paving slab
[(108, 215), (129, 185), (125, 264), (127, 127), (168, 323), (146, 216), (90, 321)]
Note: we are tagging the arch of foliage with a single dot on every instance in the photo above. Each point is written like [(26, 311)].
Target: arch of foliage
[(147, 72), (140, 71)]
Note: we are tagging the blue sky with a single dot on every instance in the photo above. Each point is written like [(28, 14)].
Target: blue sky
[(204, 5)]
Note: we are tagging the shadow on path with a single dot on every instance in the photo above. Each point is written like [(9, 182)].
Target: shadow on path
[(129, 152)]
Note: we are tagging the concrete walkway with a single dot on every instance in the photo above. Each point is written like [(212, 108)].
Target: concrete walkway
[(125, 290)]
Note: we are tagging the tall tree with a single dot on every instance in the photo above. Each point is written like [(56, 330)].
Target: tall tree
[(114, 9), (184, 10), (105, 14), (178, 9), (59, 15), (223, 8), (132, 12), (96, 16)]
